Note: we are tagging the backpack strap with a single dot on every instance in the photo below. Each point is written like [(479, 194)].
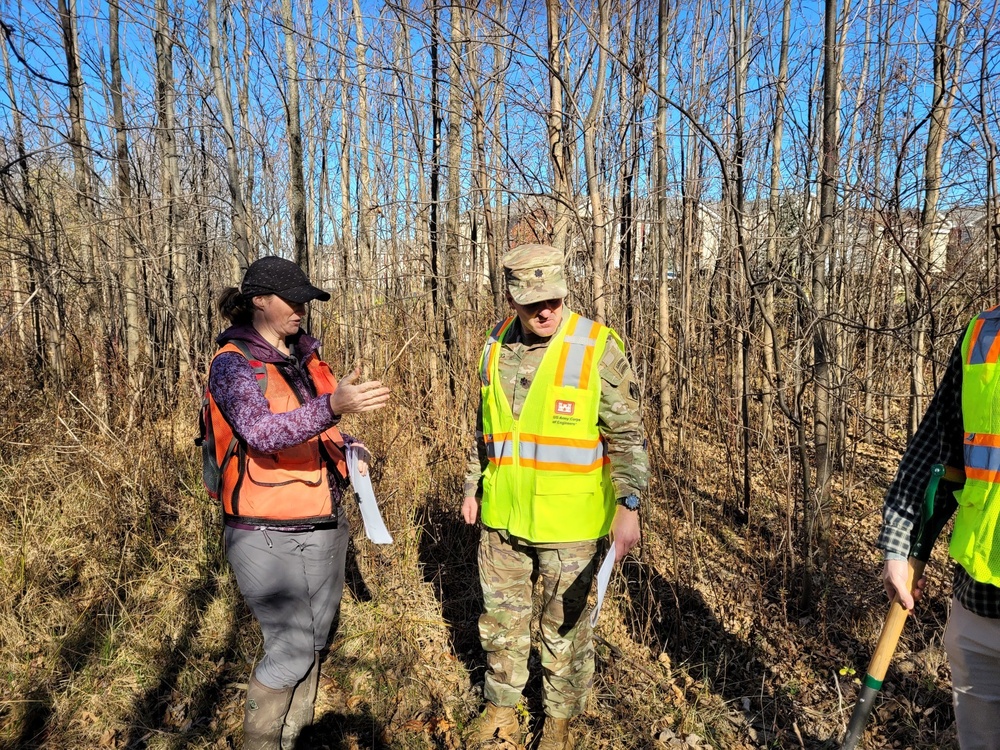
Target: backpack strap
[(258, 367), (212, 467)]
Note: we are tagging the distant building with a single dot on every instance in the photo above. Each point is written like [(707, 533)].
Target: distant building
[(532, 220)]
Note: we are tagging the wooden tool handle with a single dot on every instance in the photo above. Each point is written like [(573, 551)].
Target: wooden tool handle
[(892, 628)]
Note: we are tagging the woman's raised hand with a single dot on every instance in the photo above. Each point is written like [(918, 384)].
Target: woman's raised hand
[(352, 397)]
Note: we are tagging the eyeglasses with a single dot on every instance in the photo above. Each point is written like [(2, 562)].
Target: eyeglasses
[(545, 303)]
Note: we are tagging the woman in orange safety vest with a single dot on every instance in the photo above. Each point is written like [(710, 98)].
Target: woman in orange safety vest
[(274, 457)]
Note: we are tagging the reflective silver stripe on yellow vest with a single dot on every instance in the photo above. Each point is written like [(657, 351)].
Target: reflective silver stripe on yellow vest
[(493, 348), (578, 349), (581, 456), (982, 456), (499, 447)]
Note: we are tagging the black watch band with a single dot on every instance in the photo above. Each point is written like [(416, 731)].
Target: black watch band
[(631, 502)]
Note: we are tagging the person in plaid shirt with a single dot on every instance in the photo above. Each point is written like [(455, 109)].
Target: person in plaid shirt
[(945, 436)]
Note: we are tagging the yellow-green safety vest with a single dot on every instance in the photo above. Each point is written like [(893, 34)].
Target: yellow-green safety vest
[(548, 476), (975, 541)]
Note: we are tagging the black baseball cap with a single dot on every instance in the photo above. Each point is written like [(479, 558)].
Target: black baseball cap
[(274, 275)]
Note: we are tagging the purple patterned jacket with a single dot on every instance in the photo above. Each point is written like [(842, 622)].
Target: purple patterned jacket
[(235, 389)]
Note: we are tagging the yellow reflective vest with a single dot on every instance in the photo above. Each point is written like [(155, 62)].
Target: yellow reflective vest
[(548, 476), (975, 541)]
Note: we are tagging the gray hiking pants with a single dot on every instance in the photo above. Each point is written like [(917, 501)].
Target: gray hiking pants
[(292, 581), (973, 646)]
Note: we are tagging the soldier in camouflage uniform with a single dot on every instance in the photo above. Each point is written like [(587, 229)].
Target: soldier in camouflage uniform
[(535, 290)]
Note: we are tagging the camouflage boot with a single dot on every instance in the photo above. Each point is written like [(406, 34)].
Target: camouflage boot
[(495, 722), (556, 735), (301, 711), (264, 716)]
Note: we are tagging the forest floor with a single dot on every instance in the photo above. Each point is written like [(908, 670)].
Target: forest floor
[(122, 626)]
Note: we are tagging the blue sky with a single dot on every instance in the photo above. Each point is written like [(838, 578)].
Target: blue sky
[(519, 150)]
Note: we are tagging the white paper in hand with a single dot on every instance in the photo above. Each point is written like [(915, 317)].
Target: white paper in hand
[(374, 525), (603, 578)]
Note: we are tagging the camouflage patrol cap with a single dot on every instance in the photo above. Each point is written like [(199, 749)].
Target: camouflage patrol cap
[(534, 273)]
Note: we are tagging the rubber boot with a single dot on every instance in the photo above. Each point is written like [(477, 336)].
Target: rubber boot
[(300, 711), (556, 735), (495, 722), (264, 716)]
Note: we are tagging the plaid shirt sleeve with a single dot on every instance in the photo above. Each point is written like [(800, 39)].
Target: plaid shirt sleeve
[(938, 439)]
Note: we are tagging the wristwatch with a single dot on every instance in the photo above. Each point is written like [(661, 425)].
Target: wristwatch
[(630, 502)]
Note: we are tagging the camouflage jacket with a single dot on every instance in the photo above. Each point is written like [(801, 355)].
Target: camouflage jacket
[(618, 416)]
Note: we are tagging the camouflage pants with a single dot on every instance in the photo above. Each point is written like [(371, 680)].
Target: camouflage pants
[(507, 574)]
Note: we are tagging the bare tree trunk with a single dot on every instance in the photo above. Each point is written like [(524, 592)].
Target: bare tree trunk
[(740, 65), (453, 265), (556, 130), (628, 241), (817, 508), (27, 210), (313, 99), (480, 176), (243, 103), (350, 255), (240, 222), (693, 229), (134, 319), (85, 203), (366, 242), (774, 196), (662, 348), (434, 245), (426, 205), (945, 67), (501, 58), (991, 222), (876, 249), (590, 161), (17, 296), (297, 182), (174, 250), (320, 243)]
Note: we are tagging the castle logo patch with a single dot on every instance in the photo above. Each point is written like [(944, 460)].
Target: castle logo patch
[(565, 407)]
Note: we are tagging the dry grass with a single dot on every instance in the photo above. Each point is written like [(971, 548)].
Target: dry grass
[(120, 625), (111, 572)]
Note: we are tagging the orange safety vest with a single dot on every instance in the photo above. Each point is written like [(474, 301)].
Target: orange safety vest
[(287, 488)]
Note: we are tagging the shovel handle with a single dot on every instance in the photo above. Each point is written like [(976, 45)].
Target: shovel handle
[(935, 513), (892, 628)]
